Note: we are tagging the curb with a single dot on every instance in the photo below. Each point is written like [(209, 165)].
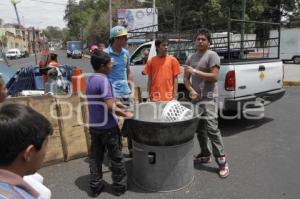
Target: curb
[(86, 56), (291, 83)]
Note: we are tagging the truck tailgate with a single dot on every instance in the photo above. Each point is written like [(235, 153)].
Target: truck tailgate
[(258, 77)]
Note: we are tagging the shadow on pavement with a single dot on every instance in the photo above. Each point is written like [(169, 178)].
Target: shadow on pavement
[(83, 184), (235, 126), (204, 167)]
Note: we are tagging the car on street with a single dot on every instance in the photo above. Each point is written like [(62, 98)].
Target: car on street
[(76, 54), (24, 54), (72, 46), (13, 53)]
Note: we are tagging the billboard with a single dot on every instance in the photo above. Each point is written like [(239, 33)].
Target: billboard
[(138, 18)]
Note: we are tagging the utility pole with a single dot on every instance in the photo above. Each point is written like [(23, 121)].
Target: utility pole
[(177, 16), (154, 12), (243, 28), (34, 44), (110, 16), (15, 2)]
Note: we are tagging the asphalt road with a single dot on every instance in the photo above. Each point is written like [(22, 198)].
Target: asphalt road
[(292, 71), (83, 63), (263, 155)]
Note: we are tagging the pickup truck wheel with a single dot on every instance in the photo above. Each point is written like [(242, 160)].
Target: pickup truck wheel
[(296, 60)]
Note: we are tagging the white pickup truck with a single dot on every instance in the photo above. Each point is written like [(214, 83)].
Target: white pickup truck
[(248, 84)]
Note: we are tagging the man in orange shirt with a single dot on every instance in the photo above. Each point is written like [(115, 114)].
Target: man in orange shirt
[(162, 71)]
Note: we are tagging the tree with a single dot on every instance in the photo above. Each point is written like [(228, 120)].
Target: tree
[(214, 13), (72, 16), (3, 41), (52, 32), (88, 20)]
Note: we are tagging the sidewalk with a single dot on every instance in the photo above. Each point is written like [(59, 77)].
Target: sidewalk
[(291, 75)]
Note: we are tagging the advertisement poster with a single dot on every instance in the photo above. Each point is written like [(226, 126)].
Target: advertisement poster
[(138, 18)]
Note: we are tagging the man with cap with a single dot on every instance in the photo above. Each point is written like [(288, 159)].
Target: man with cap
[(120, 77)]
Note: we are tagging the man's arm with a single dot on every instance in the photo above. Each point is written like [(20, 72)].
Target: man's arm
[(187, 83), (149, 85), (175, 87), (213, 75), (112, 107), (120, 105), (129, 74)]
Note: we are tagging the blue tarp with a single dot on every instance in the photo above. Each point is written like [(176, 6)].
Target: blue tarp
[(7, 72), (29, 78)]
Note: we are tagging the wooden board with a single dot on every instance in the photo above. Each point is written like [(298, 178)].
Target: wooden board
[(18, 100), (72, 130), (46, 105)]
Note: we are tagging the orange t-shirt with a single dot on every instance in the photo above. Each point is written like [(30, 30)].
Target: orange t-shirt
[(162, 71)]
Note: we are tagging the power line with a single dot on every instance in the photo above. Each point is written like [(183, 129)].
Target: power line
[(48, 2)]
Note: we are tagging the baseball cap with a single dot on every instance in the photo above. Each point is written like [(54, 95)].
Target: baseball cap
[(118, 31)]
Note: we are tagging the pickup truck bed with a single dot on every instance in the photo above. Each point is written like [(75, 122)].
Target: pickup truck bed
[(254, 83)]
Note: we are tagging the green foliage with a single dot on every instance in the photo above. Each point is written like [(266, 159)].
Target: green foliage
[(3, 41), (52, 32), (88, 20)]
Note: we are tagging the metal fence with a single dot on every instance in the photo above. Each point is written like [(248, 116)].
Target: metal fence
[(241, 41)]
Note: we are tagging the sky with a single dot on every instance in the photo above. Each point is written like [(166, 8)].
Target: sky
[(37, 13)]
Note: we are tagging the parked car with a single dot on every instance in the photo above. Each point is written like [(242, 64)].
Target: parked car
[(24, 54), (76, 54), (13, 54)]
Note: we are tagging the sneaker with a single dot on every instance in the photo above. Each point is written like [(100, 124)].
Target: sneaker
[(119, 192), (96, 192), (223, 167), (202, 159)]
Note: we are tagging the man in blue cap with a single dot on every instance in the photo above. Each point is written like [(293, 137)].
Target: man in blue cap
[(120, 77)]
